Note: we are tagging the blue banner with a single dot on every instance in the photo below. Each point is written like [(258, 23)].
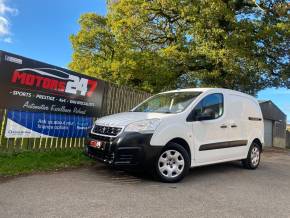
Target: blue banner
[(23, 124)]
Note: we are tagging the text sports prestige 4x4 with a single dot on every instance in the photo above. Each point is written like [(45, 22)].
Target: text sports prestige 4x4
[(175, 130)]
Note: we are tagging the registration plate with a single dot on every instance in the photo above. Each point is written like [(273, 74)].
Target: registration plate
[(97, 144)]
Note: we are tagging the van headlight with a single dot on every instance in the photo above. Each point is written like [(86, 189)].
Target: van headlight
[(147, 126)]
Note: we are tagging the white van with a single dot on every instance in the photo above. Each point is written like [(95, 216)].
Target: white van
[(175, 130)]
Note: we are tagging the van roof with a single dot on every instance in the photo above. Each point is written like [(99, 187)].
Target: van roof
[(230, 91), (189, 90)]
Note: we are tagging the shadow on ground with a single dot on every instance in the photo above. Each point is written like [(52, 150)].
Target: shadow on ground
[(126, 176)]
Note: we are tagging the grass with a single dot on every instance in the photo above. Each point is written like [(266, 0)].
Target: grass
[(29, 162)]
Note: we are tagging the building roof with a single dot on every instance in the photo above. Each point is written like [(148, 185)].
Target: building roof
[(271, 111), (263, 101)]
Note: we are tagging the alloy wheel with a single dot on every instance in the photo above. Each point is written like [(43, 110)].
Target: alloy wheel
[(171, 163), (255, 156)]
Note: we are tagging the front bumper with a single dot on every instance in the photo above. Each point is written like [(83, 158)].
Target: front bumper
[(127, 150)]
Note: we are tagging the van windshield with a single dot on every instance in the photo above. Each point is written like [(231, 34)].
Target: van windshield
[(173, 102)]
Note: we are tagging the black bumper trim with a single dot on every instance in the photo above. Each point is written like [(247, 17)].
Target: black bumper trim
[(127, 150)]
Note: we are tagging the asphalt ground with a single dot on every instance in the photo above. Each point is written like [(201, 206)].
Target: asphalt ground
[(223, 190)]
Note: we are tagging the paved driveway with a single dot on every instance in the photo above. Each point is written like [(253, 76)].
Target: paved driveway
[(224, 190)]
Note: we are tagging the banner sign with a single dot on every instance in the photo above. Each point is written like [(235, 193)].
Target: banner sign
[(30, 85), (22, 124)]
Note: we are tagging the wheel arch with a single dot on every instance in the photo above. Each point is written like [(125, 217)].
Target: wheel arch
[(257, 141), (183, 143)]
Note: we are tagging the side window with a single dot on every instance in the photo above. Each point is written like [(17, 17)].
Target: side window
[(209, 108)]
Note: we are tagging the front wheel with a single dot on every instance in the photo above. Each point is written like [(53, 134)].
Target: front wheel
[(253, 159), (172, 164)]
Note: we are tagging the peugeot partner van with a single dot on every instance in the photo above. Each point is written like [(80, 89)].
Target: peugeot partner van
[(175, 130)]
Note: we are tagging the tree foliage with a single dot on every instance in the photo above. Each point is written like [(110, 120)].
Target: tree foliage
[(160, 44)]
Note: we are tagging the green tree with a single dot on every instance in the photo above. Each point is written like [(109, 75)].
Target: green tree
[(159, 44)]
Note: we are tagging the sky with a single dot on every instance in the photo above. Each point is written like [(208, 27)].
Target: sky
[(40, 30)]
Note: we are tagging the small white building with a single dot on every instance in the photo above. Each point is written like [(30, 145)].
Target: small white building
[(275, 122)]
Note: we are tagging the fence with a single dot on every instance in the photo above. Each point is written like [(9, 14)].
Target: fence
[(116, 99)]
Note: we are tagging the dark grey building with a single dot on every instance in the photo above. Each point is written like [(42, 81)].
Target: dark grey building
[(275, 122)]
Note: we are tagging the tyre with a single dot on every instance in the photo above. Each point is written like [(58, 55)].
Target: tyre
[(172, 164), (253, 159)]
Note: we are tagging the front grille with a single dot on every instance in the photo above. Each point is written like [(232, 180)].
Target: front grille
[(106, 130)]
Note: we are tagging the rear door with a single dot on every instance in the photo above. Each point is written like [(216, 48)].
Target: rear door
[(237, 126)]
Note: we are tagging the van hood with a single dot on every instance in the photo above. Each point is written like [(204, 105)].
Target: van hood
[(125, 118)]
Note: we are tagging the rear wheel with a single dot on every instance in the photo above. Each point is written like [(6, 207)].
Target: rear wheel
[(253, 159), (172, 164)]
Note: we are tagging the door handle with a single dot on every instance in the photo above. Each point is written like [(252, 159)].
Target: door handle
[(234, 126), (224, 126)]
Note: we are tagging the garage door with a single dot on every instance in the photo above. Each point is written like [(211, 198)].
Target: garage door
[(268, 131)]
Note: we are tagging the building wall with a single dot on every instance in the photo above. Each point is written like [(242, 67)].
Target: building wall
[(279, 134), (268, 133), (288, 139), (272, 113)]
